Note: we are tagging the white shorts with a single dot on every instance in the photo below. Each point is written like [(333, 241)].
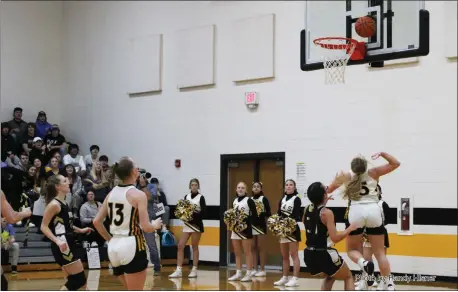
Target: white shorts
[(122, 250), (187, 229), (234, 236), (368, 215), (255, 232)]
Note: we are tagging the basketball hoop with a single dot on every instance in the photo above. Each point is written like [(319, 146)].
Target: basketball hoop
[(336, 53)]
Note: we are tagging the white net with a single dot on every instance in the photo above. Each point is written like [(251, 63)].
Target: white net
[(336, 53)]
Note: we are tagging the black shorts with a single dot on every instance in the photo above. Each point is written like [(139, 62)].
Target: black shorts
[(326, 261), (138, 264), (387, 239), (63, 259)]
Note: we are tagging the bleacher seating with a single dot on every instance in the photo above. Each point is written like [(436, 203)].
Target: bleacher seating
[(37, 251)]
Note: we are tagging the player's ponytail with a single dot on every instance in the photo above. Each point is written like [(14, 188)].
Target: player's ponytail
[(51, 191), (353, 188)]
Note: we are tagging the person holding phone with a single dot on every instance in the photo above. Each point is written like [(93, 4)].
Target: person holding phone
[(150, 190), (161, 202)]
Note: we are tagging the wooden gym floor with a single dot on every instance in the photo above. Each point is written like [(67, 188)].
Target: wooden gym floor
[(209, 278)]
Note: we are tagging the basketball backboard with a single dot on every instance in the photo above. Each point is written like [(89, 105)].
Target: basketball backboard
[(402, 29)]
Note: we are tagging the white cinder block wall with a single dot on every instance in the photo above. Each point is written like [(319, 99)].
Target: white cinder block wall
[(31, 60), (407, 111)]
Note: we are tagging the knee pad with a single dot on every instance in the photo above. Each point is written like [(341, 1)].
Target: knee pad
[(76, 281)]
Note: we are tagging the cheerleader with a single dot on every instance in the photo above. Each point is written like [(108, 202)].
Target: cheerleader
[(320, 256), (260, 230), (361, 188), (243, 239), (290, 206), (193, 229)]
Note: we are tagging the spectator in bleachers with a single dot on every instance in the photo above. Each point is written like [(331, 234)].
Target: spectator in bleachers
[(18, 127), (59, 160), (24, 165), (9, 244), (74, 158), (55, 142), (104, 162), (27, 138), (87, 214), (12, 160), (40, 173), (90, 159), (97, 181), (112, 178), (8, 142), (30, 187), (161, 198), (38, 151), (54, 168), (43, 128), (76, 188)]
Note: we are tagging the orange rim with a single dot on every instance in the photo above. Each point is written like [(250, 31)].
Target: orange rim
[(319, 42)]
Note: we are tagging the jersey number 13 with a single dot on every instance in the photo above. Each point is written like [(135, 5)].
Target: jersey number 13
[(116, 216)]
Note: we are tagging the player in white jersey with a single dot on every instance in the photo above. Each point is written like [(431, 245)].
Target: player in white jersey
[(361, 189), (126, 208)]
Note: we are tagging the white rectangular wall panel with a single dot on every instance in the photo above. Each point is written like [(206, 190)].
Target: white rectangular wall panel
[(253, 48), (145, 64), (196, 57)]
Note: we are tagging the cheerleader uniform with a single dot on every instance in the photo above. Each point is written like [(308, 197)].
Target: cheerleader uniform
[(246, 205), (260, 225), (196, 224), (290, 206)]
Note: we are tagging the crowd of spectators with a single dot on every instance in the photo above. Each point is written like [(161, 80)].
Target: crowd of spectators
[(31, 152)]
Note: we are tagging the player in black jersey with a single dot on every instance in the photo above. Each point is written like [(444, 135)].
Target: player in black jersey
[(57, 226), (321, 233)]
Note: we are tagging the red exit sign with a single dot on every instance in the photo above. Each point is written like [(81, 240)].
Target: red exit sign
[(251, 97)]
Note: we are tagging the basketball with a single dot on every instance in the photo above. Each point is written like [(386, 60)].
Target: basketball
[(365, 26)]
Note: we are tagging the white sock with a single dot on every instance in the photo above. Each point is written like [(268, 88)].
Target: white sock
[(178, 268), (248, 272), (361, 263), (194, 268), (238, 272)]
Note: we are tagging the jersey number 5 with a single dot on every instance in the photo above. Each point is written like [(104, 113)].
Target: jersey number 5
[(364, 189), (119, 214)]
